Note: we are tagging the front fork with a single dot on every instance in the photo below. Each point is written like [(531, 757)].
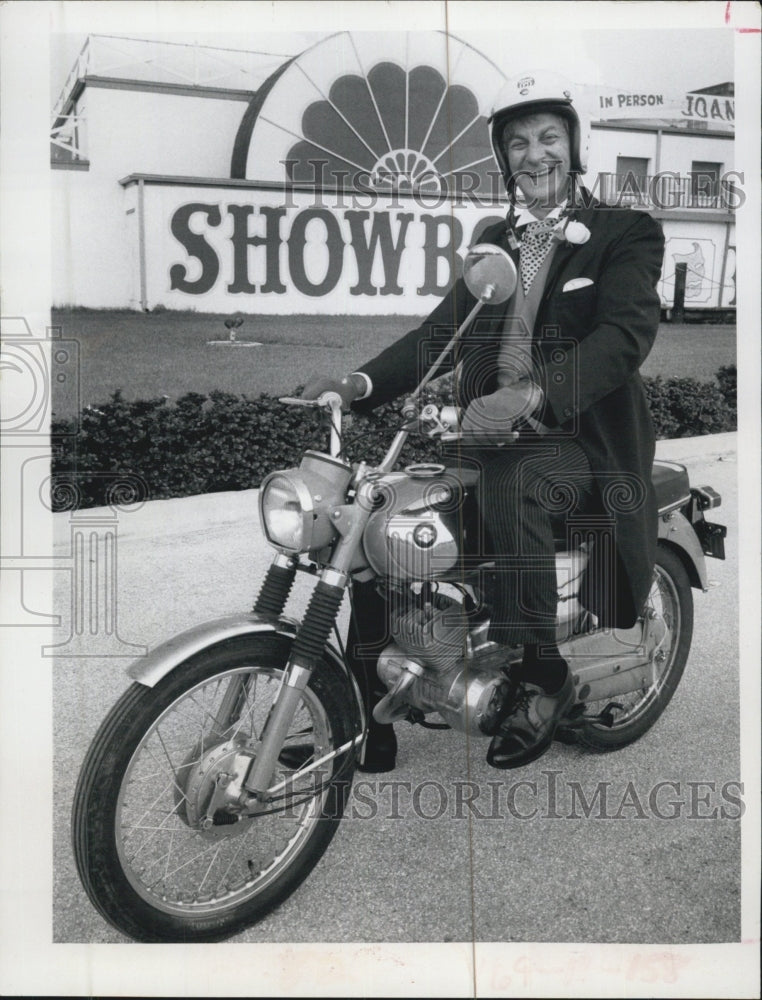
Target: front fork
[(312, 635)]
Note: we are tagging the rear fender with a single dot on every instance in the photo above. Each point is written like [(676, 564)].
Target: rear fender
[(160, 662), (677, 531)]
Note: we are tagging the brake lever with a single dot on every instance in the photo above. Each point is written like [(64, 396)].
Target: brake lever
[(458, 436), (294, 401), (330, 399)]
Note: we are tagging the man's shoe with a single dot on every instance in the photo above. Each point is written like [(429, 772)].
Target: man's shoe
[(528, 731), (380, 750)]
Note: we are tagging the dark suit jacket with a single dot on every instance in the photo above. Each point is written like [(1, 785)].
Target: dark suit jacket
[(588, 344)]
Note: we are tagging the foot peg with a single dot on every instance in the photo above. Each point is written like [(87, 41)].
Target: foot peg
[(577, 718), (606, 718)]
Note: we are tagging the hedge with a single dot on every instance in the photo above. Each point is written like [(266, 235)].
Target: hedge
[(155, 448)]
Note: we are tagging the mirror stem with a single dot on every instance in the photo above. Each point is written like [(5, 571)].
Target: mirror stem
[(466, 322)]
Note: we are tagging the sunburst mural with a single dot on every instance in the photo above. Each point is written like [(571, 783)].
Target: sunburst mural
[(399, 111)]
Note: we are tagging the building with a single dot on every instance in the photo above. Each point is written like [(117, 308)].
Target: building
[(348, 178)]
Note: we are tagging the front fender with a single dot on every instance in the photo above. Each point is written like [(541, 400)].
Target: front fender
[(162, 660)]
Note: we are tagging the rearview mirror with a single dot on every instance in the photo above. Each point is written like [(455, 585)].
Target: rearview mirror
[(489, 273)]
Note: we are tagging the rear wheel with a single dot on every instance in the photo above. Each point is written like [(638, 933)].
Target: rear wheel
[(153, 859), (672, 600)]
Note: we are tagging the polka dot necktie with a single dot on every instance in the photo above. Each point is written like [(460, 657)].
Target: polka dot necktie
[(535, 243)]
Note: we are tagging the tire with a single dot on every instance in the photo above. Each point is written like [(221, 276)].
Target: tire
[(671, 597), (143, 857)]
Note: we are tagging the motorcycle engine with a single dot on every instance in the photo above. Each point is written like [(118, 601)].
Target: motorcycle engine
[(430, 667)]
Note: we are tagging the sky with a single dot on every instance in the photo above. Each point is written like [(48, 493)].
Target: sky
[(635, 58)]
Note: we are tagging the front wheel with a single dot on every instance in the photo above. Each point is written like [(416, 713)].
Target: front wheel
[(671, 599), (152, 859)]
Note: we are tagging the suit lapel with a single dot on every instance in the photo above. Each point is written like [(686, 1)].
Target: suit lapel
[(560, 257)]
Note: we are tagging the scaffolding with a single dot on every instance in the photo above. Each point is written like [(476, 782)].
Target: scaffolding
[(116, 57)]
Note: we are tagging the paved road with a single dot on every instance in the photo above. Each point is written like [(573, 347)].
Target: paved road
[(461, 876)]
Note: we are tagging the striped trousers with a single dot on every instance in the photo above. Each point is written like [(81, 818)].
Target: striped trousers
[(526, 491)]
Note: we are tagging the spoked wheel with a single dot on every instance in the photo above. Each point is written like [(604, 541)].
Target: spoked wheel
[(671, 599), (163, 847)]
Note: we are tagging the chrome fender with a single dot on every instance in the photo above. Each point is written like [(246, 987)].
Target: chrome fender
[(676, 530), (162, 660)]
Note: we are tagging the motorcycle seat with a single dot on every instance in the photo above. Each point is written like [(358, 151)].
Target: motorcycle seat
[(670, 480), (671, 485)]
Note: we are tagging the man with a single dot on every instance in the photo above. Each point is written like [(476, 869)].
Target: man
[(559, 363)]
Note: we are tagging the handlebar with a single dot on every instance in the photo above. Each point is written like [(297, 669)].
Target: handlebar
[(333, 402), (430, 421)]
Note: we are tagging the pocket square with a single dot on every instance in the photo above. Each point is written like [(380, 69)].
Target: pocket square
[(575, 283)]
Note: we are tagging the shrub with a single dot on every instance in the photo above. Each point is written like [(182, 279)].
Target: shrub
[(684, 407), (727, 377), (198, 444), (205, 444)]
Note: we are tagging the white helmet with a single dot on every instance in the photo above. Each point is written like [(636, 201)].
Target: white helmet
[(533, 93)]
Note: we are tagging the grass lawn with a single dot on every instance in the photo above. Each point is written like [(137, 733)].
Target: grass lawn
[(166, 353)]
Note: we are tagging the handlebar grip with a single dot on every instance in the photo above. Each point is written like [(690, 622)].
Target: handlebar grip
[(324, 399)]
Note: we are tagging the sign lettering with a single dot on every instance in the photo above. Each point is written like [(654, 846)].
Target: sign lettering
[(322, 246)]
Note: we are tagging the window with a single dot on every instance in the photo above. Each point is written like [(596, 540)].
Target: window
[(631, 179), (705, 184)]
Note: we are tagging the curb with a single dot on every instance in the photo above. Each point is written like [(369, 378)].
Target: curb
[(212, 512), (706, 447)]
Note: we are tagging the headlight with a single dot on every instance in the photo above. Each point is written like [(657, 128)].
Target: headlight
[(286, 509), (295, 504)]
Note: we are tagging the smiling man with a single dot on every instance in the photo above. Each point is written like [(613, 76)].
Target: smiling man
[(539, 159), (559, 365)]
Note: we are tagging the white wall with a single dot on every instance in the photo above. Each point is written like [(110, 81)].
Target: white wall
[(679, 153), (128, 131), (607, 145), (131, 131), (91, 262)]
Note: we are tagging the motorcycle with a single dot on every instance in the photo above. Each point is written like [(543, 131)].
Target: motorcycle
[(218, 780)]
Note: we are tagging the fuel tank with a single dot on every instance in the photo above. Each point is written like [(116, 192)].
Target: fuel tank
[(424, 521)]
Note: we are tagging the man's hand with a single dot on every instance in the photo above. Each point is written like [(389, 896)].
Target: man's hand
[(349, 388), (490, 419)]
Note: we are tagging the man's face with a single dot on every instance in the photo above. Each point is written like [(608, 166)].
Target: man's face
[(538, 154)]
